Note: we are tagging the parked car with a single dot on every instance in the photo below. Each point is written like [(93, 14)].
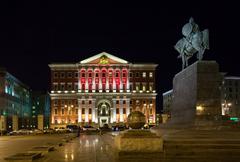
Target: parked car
[(36, 131), (118, 128), (62, 130), (73, 128), (48, 131), (105, 127), (89, 128), (20, 132)]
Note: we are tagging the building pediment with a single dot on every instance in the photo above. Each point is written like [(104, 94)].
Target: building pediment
[(103, 58)]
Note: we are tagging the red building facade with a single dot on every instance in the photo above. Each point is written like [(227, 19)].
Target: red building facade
[(102, 89)]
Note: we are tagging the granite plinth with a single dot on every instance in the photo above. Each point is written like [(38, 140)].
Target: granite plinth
[(196, 94), (138, 141)]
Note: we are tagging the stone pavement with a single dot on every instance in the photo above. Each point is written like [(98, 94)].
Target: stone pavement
[(86, 148), (10, 145)]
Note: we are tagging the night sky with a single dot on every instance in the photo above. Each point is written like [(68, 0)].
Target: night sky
[(33, 34)]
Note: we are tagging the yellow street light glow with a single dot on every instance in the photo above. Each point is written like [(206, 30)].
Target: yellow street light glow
[(199, 108)]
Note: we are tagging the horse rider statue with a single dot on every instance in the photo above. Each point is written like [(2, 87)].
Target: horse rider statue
[(193, 41)]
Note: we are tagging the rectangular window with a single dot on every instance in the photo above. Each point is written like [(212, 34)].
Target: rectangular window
[(69, 86), (69, 74), (103, 74), (55, 102), (90, 111), (55, 86), (144, 74), (76, 111), (62, 86), (96, 75), (124, 75), (90, 102), (62, 102), (83, 110), (131, 74), (124, 110), (83, 75), (55, 74), (75, 86), (62, 75), (117, 74), (124, 102), (137, 74), (76, 74), (62, 111), (117, 110), (89, 75), (150, 74), (83, 102), (117, 102), (55, 111)]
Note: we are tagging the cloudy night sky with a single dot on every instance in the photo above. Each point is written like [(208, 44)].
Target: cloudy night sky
[(34, 34)]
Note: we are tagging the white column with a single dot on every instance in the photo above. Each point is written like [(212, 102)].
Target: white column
[(121, 84), (128, 107), (79, 110), (114, 83), (121, 110), (93, 110), (114, 111), (93, 81), (86, 113)]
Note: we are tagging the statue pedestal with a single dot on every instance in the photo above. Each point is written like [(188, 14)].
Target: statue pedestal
[(196, 94), (139, 141)]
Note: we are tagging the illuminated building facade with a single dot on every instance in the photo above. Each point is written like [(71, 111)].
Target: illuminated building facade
[(15, 105), (102, 89), (231, 96)]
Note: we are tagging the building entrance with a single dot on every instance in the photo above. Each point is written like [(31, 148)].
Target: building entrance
[(104, 112)]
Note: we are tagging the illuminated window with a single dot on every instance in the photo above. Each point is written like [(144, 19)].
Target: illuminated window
[(144, 74), (150, 74), (110, 74), (143, 87)]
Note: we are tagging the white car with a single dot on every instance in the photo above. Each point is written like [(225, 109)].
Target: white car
[(89, 128), (62, 130)]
